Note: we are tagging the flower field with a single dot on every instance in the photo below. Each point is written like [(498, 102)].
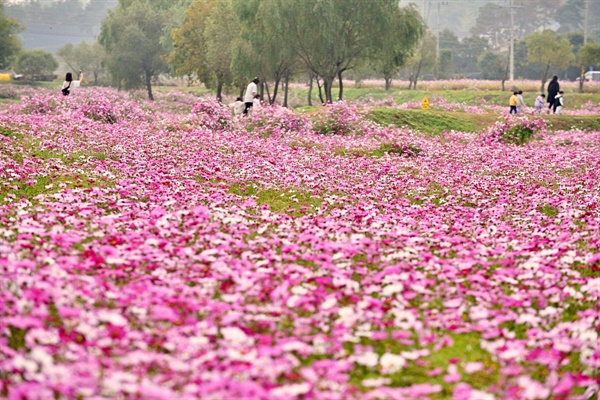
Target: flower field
[(167, 250)]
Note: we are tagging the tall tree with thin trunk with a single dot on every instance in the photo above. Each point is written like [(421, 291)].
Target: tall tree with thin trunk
[(332, 36), (549, 51), (401, 40), (264, 30), (131, 36)]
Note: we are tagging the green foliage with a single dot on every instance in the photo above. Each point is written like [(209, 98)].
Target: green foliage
[(431, 121), (36, 64), (493, 66), (9, 39), (84, 57), (549, 51), (290, 201), (131, 36), (589, 55), (400, 42), (518, 135), (16, 340)]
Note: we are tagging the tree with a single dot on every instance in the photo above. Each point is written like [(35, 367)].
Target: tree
[(131, 36), (36, 64), (190, 45), (84, 57), (589, 56), (333, 36), (268, 52), (9, 40), (549, 51), (494, 20), (422, 61), (222, 27), (570, 16), (400, 43), (494, 66)]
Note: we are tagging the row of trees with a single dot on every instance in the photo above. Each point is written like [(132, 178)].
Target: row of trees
[(223, 42)]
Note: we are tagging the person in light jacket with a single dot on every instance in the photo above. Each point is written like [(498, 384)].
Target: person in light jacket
[(69, 84), (251, 92)]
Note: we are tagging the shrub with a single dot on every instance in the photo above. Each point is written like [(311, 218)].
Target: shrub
[(339, 119), (516, 130), (211, 113), (276, 120)]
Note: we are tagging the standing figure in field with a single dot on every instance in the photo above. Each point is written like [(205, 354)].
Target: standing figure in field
[(69, 84), (539, 103), (520, 102), (553, 88), (251, 92), (558, 103), (512, 102)]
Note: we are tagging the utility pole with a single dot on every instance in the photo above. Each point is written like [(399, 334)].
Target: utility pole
[(585, 21), (512, 43), (437, 50)]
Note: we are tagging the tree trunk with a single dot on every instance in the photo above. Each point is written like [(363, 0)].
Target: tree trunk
[(416, 77), (310, 88), (242, 92), (503, 88), (268, 94), (287, 84), (320, 90), (327, 83), (219, 91), (149, 85), (388, 84), (341, 92), (581, 79), (544, 78), (275, 90)]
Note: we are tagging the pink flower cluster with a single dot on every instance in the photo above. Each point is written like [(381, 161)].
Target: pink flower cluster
[(146, 258)]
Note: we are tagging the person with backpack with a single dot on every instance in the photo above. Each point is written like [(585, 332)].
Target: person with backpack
[(559, 102), (69, 84)]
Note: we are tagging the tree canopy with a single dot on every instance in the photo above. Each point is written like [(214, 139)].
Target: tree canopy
[(549, 51), (36, 64), (131, 36), (9, 39)]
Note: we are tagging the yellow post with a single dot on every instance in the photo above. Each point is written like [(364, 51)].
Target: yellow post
[(425, 103)]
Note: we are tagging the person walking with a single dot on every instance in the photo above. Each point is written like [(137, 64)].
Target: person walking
[(558, 103), (520, 102), (539, 103), (553, 88), (251, 92), (512, 102), (69, 84)]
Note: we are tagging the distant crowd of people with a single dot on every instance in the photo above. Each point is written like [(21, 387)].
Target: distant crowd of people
[(555, 100)]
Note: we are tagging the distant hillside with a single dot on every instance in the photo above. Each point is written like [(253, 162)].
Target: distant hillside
[(51, 25)]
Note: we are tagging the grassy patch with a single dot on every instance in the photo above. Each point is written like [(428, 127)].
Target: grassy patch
[(432, 121), (383, 149), (465, 348), (293, 202)]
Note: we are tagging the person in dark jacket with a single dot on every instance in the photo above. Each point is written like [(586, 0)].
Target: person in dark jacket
[(553, 88)]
